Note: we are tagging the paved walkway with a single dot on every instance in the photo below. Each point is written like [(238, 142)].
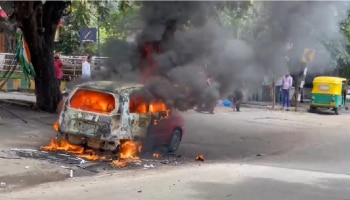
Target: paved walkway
[(18, 96), (303, 107)]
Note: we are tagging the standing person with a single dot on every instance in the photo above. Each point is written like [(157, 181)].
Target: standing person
[(58, 68), (344, 91), (86, 69), (287, 83), (236, 98), (278, 90)]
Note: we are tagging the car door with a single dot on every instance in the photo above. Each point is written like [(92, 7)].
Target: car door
[(159, 128)]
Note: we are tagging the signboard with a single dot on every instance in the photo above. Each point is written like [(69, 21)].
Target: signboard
[(308, 55), (88, 34)]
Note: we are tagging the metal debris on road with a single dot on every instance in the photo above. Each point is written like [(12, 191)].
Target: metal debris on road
[(200, 158), (146, 166), (71, 173), (2, 184), (72, 163)]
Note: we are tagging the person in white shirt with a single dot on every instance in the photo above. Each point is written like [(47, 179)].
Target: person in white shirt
[(86, 69), (287, 83)]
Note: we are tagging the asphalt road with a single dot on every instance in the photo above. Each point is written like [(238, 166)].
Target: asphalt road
[(254, 154)]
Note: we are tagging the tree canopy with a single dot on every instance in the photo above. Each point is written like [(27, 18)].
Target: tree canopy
[(267, 26)]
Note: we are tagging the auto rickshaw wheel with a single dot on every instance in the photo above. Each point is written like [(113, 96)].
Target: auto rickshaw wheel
[(336, 111), (312, 109)]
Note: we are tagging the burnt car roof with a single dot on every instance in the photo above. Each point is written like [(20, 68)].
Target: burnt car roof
[(109, 86)]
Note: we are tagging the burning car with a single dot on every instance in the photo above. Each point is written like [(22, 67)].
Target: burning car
[(104, 114)]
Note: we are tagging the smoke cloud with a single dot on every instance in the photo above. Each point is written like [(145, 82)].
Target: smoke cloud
[(306, 24), (184, 58)]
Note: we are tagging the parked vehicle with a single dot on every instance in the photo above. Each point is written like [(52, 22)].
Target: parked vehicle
[(102, 114), (329, 92)]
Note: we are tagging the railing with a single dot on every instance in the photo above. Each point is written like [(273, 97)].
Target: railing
[(71, 65)]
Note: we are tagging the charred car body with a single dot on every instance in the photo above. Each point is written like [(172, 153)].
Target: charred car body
[(102, 114)]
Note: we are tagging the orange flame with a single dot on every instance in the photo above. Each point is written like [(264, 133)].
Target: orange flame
[(57, 145), (119, 163), (138, 105), (156, 155), (93, 101), (130, 150), (157, 107), (56, 126)]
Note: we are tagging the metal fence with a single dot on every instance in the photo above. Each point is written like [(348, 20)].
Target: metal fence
[(72, 65)]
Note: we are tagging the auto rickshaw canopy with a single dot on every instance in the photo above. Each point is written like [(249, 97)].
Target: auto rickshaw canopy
[(328, 85)]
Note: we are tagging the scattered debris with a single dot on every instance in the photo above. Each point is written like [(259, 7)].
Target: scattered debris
[(71, 162), (2, 184), (200, 158), (71, 173), (9, 155), (146, 166), (156, 155)]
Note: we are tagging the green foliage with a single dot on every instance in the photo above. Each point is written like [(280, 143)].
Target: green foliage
[(69, 40), (341, 52), (117, 25), (83, 14), (241, 23)]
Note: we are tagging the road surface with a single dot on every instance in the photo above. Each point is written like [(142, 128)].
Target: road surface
[(254, 154)]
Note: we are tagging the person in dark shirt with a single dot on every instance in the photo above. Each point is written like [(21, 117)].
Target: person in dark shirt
[(237, 99), (344, 91)]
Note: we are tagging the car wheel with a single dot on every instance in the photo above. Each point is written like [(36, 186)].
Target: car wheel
[(175, 141)]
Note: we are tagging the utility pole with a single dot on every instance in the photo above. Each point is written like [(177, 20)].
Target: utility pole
[(273, 91), (98, 41), (308, 57), (301, 85)]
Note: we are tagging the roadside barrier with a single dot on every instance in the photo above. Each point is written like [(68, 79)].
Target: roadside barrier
[(18, 84)]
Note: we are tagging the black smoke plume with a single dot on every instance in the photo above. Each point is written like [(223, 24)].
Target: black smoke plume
[(187, 45)]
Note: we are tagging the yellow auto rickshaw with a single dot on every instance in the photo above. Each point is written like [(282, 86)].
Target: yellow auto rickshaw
[(329, 92)]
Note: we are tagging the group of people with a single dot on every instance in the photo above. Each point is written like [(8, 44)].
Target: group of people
[(85, 70), (286, 85)]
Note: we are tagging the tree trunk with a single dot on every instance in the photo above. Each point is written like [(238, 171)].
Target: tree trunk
[(38, 23), (48, 94)]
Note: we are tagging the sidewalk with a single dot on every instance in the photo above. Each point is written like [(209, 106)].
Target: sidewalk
[(29, 97), (303, 107)]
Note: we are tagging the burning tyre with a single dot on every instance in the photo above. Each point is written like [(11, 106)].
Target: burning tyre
[(103, 115)]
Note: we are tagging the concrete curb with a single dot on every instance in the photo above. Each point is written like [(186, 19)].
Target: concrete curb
[(21, 84), (277, 107)]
